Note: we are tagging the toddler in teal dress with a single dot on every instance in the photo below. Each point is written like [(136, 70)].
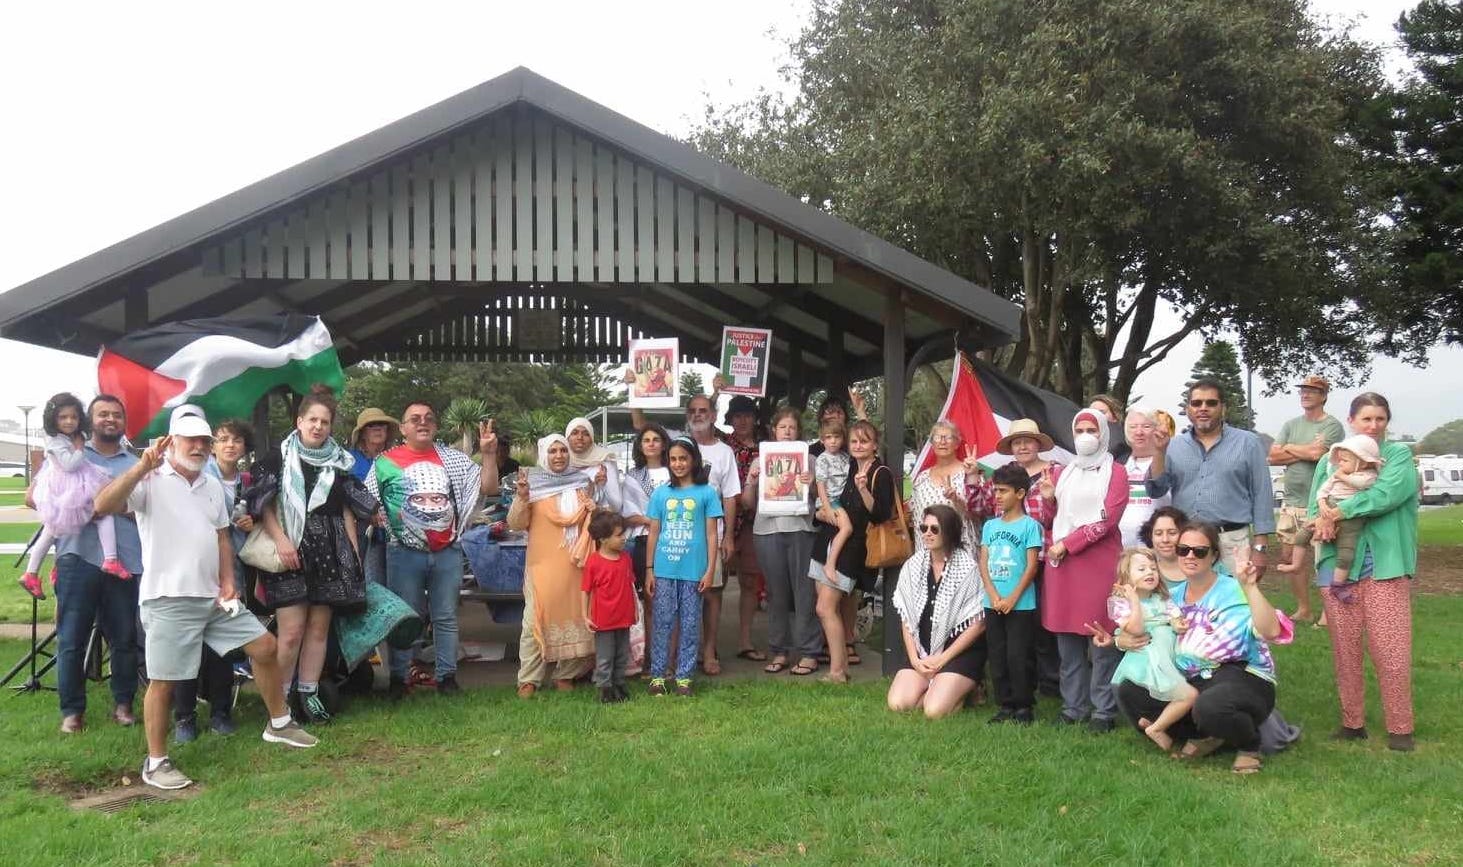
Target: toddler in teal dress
[(1140, 605)]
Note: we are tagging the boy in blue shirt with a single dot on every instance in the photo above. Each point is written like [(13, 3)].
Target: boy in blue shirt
[(1010, 550)]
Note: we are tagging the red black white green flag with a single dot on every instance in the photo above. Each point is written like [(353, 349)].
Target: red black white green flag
[(223, 365), (983, 402)]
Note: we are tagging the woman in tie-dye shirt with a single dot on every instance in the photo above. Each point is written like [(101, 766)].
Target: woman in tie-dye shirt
[(1223, 652)]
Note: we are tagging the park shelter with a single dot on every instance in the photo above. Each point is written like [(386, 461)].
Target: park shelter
[(520, 221)]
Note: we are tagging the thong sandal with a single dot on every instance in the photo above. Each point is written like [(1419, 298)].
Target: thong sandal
[(753, 654), (1198, 748), (1246, 763), (776, 666), (803, 669), (853, 657)]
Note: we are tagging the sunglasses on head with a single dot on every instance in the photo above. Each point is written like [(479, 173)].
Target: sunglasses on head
[(1200, 551), (932, 529), (1204, 401)]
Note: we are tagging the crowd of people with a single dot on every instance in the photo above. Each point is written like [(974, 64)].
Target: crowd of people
[(1122, 578)]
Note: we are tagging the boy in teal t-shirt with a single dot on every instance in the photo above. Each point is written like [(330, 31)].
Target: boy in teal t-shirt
[(1010, 552)]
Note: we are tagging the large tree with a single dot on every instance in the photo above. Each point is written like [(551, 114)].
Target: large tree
[(1095, 162), (1444, 440), (1220, 363), (1427, 293)]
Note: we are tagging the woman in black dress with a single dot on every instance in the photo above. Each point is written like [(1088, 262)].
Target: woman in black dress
[(941, 609), (868, 496), (303, 500)]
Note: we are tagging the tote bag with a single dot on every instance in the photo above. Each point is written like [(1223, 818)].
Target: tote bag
[(889, 543)]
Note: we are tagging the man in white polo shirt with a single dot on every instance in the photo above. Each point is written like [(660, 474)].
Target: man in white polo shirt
[(188, 594)]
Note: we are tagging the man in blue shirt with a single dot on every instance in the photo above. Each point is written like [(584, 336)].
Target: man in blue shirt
[(1219, 474), (86, 595)]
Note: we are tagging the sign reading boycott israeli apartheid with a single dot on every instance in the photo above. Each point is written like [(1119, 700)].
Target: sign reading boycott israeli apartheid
[(745, 356)]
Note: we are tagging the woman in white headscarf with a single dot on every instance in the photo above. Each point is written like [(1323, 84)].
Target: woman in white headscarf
[(551, 501), (597, 463), (1090, 495)]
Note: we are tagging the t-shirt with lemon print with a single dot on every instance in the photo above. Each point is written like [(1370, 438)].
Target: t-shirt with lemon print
[(681, 550)]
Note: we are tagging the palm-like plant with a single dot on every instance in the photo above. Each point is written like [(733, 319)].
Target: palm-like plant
[(535, 423), (461, 418)]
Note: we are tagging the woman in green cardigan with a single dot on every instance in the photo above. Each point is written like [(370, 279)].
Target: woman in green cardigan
[(1371, 612)]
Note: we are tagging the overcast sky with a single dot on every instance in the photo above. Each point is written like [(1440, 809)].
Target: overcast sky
[(122, 116)]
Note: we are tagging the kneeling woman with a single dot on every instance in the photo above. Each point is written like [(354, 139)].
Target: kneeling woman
[(1223, 652), (941, 606)]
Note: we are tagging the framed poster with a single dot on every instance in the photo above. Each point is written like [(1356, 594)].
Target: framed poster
[(745, 356), (656, 364), (779, 491)]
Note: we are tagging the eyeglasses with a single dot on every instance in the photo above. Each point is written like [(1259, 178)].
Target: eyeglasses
[(930, 529), (1210, 402), (421, 419), (1200, 551), (943, 438)]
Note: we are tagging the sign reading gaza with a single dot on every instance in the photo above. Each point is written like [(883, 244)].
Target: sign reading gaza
[(745, 357)]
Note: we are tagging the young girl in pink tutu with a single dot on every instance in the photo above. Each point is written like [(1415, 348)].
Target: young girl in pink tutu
[(64, 489)]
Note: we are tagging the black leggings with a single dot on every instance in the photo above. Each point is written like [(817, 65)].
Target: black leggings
[(215, 682), (1231, 705)]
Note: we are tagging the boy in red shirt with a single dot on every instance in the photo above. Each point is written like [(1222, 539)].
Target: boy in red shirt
[(609, 604)]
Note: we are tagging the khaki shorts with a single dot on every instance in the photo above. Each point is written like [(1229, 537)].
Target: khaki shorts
[(1288, 523), (177, 627), (1234, 548)]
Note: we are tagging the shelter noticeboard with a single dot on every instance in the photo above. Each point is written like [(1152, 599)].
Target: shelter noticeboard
[(656, 365), (781, 490), (745, 357)]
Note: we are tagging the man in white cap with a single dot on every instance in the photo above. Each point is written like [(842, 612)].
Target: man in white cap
[(188, 594)]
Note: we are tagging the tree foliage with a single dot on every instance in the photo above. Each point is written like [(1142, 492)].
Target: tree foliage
[(1427, 118), (692, 384), (1220, 362), (1094, 162), (1444, 440)]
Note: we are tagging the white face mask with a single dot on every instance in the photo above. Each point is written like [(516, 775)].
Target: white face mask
[(1087, 444)]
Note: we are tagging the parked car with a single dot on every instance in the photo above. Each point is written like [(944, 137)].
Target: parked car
[(12, 470)]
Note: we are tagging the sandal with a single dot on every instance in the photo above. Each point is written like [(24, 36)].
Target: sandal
[(830, 678), (776, 666), (1198, 748), (802, 669), (753, 654), (1246, 763), (853, 657)]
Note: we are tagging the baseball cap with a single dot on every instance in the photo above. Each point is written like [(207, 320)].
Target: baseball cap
[(188, 420), (1314, 381)]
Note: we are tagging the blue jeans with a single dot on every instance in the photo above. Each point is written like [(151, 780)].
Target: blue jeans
[(1361, 570), (423, 578), (86, 595)]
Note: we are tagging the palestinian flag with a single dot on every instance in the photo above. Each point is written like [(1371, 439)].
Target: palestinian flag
[(223, 365), (983, 401)]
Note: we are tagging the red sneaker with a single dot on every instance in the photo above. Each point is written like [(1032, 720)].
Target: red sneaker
[(112, 566), (30, 582)]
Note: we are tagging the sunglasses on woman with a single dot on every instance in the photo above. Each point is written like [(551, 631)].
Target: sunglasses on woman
[(931, 529), (1200, 551)]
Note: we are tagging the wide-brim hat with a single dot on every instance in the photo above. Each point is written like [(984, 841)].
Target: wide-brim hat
[(741, 403), (1023, 427), (371, 415), (1362, 446)]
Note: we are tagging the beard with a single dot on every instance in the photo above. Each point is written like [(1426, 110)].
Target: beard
[(188, 462), (106, 437), (699, 427)]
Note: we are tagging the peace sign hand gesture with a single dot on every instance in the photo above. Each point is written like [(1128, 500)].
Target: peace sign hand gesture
[(152, 456), (971, 461), (488, 437), (520, 485), (1047, 485)]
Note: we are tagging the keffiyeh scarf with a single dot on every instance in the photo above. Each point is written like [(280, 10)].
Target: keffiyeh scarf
[(294, 502), (959, 597)]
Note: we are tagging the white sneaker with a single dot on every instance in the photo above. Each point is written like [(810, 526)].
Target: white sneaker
[(165, 776), (290, 734)]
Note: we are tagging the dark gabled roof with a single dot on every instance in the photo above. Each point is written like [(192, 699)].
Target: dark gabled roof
[(129, 260)]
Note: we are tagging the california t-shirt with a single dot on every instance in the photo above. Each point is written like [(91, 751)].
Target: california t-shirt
[(1006, 544), (681, 549)]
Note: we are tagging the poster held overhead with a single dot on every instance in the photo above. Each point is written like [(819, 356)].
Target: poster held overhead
[(656, 365), (746, 354), (780, 490)]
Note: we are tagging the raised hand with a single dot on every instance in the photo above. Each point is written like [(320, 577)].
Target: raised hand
[(1047, 485), (971, 461), (718, 382), (859, 403), (488, 437), (520, 484), (1160, 438), (629, 378), (152, 457)]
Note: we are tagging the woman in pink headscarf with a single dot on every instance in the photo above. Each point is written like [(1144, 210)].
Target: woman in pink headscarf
[(1090, 495)]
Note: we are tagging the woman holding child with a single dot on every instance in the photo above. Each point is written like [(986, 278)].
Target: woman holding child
[(1223, 652), (1374, 605)]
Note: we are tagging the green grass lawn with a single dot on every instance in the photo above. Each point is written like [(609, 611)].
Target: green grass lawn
[(751, 772), (1441, 526), (17, 532), (12, 484)]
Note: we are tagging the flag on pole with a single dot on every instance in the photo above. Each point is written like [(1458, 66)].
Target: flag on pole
[(983, 401), (224, 365)]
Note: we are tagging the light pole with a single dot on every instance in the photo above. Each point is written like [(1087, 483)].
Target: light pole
[(25, 432)]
